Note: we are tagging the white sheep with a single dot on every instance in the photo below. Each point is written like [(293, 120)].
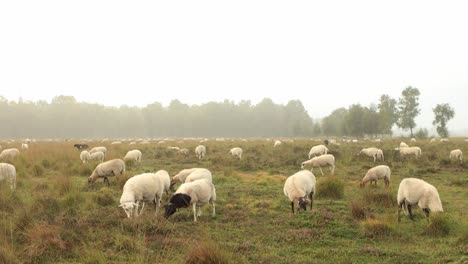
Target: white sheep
[(298, 186), (196, 193), (173, 148), (95, 149), (321, 161), (146, 187), (318, 150), (403, 145), (236, 152), (444, 140), (200, 151), (115, 167), (277, 143), (9, 154), (193, 174), (374, 153), (184, 151), (116, 143), (456, 154), (85, 156), (380, 155), (134, 155), (97, 156), (24, 146), (433, 140), (376, 173), (410, 151), (8, 174), (414, 191), (413, 140)]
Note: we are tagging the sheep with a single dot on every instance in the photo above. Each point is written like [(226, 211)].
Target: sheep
[(116, 143), (85, 156), (196, 193), (184, 151), (375, 153), (277, 143), (9, 154), (297, 187), (95, 149), (200, 151), (457, 154), (115, 167), (81, 146), (403, 145), (144, 187), (24, 146), (375, 173), (414, 191), (134, 155), (173, 148), (236, 152), (98, 156), (8, 174), (321, 161), (408, 151), (413, 140), (318, 150), (444, 140), (433, 140), (132, 143), (189, 175)]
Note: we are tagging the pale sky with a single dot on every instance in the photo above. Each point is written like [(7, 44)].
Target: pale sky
[(328, 54)]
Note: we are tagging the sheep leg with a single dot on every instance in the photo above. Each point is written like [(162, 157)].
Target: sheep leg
[(400, 206), (194, 212), (409, 211), (142, 207), (292, 207), (426, 211), (321, 170), (106, 181), (311, 196), (214, 211), (157, 203), (332, 169)]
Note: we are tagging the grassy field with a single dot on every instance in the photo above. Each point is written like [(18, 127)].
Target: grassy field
[(55, 217)]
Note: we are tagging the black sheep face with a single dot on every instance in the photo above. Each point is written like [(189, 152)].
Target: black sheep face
[(169, 209), (179, 200), (303, 204)]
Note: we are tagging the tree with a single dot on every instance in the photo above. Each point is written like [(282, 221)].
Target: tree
[(408, 108), (334, 125), (355, 120), (388, 114), (442, 114)]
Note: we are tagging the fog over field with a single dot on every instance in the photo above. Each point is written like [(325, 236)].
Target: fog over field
[(328, 55)]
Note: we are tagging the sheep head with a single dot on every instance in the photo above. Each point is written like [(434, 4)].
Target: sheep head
[(128, 208), (303, 203), (179, 200), (362, 184)]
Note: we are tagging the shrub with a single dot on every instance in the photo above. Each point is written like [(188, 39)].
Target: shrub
[(104, 198), (63, 184), (358, 211), (380, 197), (374, 228), (37, 170), (7, 254), (439, 225), (43, 240), (206, 253), (422, 133), (331, 187), (45, 163)]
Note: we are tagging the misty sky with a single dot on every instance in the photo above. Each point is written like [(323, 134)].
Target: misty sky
[(328, 54)]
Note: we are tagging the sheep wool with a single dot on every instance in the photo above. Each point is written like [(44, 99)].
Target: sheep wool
[(200, 151), (8, 174), (115, 167), (414, 191), (236, 152), (456, 154), (297, 187), (321, 161), (318, 150), (9, 154), (376, 173), (189, 175), (134, 155)]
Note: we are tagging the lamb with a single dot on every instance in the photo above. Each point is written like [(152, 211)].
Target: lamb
[(457, 154), (8, 174), (414, 191), (236, 152), (184, 151), (85, 156), (24, 146), (196, 193), (297, 187), (200, 151), (373, 153), (321, 161), (95, 149), (189, 175), (115, 167), (376, 173), (318, 150), (134, 155), (144, 187), (277, 143), (408, 151), (9, 154), (98, 156)]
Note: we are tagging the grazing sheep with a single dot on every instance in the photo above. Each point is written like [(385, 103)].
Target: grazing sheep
[(173, 148), (8, 174), (9, 154), (321, 161), (85, 156), (236, 152), (144, 187), (318, 150), (414, 191), (376, 173), (433, 140), (456, 154), (375, 153), (97, 156), (81, 146), (184, 151), (413, 140), (116, 143), (115, 167), (403, 145), (95, 149), (297, 187), (196, 193), (189, 175), (134, 155), (444, 140), (200, 151), (277, 143), (410, 151), (24, 146)]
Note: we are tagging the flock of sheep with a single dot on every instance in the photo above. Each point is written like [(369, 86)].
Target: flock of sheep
[(197, 188)]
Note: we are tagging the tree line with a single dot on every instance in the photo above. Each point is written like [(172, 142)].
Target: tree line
[(66, 118)]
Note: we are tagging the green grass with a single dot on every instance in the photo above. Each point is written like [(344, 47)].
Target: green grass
[(55, 217)]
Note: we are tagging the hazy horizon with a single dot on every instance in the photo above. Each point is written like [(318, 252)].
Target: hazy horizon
[(328, 55)]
